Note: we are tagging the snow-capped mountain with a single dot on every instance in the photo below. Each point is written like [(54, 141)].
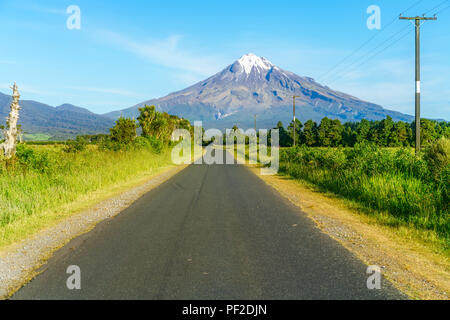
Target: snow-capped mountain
[(253, 85)]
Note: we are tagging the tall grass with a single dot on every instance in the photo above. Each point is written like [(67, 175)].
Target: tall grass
[(406, 189), (43, 178)]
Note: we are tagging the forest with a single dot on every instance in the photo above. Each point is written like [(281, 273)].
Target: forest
[(383, 133)]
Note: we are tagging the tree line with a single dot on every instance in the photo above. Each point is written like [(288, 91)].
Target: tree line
[(155, 131), (384, 133)]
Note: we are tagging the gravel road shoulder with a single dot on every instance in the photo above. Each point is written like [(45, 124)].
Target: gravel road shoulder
[(21, 261), (411, 267)]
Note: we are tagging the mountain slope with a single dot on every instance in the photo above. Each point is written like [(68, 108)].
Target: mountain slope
[(253, 85), (62, 122)]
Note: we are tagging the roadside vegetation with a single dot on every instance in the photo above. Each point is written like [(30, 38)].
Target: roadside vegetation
[(372, 165), (375, 173), (403, 189), (43, 178), (383, 133)]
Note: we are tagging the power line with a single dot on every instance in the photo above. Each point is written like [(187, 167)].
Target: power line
[(435, 7), (372, 56), (368, 58), (346, 70), (324, 76), (442, 10)]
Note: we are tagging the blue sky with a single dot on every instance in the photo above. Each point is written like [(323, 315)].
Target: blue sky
[(130, 51)]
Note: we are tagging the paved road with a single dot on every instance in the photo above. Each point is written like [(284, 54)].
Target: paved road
[(211, 232)]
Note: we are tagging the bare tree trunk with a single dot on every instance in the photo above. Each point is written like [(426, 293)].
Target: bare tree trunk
[(11, 131)]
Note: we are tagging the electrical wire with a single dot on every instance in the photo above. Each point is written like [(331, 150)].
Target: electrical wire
[(324, 76), (349, 67), (375, 54)]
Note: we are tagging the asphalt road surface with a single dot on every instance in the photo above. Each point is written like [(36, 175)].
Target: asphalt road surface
[(210, 232)]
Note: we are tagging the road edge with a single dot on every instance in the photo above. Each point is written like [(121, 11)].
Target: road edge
[(20, 261), (413, 274)]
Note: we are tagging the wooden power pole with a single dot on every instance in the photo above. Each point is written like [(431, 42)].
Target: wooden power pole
[(418, 22)]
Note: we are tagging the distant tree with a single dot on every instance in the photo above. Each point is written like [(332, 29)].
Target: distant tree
[(427, 131), (349, 135), (159, 126), (95, 138), (285, 138), (298, 130), (363, 131), (124, 132), (336, 132), (184, 124), (78, 145), (384, 130), (324, 138), (400, 135), (146, 116), (443, 129), (385, 133), (310, 133)]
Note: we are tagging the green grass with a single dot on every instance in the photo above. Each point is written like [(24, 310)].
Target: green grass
[(36, 137), (393, 185), (45, 180)]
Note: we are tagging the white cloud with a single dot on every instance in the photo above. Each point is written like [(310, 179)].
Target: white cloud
[(23, 88), (41, 9), (104, 90), (166, 52)]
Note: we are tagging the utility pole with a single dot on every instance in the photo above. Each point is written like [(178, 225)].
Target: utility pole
[(293, 133), (418, 23), (255, 126)]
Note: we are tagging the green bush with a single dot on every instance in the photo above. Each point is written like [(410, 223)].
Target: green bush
[(38, 161), (78, 145), (141, 143), (410, 189), (124, 132), (156, 144), (438, 158)]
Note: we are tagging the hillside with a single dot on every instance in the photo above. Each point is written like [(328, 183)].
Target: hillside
[(65, 121)]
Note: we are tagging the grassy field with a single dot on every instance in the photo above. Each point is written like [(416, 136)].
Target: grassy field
[(390, 184), (36, 136), (45, 183)]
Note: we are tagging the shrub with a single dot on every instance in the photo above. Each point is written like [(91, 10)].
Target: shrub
[(141, 143), (437, 156), (124, 132), (156, 144), (38, 161), (412, 190), (108, 145), (78, 145)]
